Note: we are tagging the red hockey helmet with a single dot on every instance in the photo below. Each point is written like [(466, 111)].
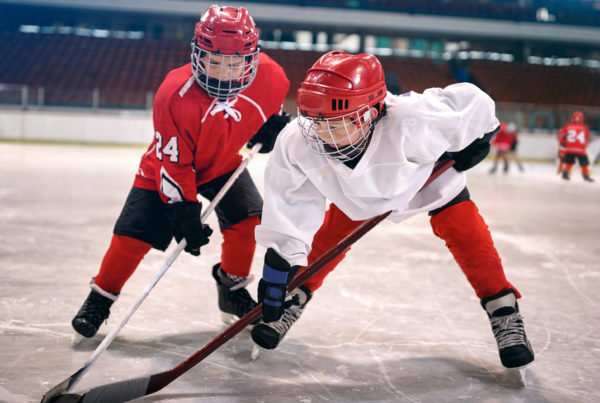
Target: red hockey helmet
[(577, 117), (339, 83), (225, 37), (335, 100)]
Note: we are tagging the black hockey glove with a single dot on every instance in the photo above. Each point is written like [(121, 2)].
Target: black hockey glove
[(185, 219), (474, 153), (277, 273), (268, 132)]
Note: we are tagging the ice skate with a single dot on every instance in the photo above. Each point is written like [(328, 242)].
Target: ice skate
[(507, 325), (234, 299), (565, 175), (93, 312), (587, 178), (269, 335)]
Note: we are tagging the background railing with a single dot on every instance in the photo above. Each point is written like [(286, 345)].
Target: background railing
[(26, 97), (527, 116)]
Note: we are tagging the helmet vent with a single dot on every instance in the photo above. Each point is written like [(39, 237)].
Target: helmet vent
[(229, 32), (339, 104)]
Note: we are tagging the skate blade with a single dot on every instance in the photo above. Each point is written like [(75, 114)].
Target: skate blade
[(256, 351), (517, 375), (229, 319), (76, 339)]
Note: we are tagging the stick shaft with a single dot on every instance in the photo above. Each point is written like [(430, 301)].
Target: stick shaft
[(69, 383), (158, 381)]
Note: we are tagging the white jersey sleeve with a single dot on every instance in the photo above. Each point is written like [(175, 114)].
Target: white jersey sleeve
[(293, 208), (451, 118)]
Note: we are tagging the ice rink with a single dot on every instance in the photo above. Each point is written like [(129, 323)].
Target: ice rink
[(396, 322)]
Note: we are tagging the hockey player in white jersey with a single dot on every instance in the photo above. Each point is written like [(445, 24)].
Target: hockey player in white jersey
[(367, 152)]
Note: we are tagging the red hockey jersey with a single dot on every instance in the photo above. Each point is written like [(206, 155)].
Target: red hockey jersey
[(504, 138), (196, 137), (573, 138)]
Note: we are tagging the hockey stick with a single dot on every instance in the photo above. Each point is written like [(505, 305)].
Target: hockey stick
[(70, 382), (134, 388)]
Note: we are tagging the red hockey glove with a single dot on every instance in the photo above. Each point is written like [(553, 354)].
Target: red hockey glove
[(185, 219), (269, 131), (277, 273)]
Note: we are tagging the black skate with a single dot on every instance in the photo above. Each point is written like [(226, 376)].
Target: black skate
[(94, 311), (565, 175), (269, 335), (587, 177), (507, 325), (234, 299)]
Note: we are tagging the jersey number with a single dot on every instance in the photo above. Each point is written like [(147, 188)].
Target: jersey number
[(573, 137), (169, 149)]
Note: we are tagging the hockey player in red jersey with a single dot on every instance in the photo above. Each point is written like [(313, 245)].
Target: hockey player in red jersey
[(204, 113), (368, 152), (573, 139), (505, 143)]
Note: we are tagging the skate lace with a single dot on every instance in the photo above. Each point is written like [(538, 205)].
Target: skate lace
[(508, 330), (242, 300), (234, 282), (290, 315), (95, 308)]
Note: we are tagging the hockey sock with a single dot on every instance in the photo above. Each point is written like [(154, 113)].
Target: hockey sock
[(334, 228), (585, 169), (237, 249), (567, 167), (120, 261), (468, 239)]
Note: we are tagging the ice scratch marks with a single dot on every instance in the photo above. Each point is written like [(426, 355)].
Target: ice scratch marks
[(388, 381), (22, 327)]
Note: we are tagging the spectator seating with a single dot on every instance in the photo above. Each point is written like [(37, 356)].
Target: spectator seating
[(68, 68)]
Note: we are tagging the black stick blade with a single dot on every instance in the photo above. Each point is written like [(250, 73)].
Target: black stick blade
[(67, 398), (117, 392), (57, 391)]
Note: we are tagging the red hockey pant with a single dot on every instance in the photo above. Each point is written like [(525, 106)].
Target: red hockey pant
[(125, 253), (468, 239), (460, 226)]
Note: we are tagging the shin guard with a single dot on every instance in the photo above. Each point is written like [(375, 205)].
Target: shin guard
[(120, 261), (238, 247), (468, 239)]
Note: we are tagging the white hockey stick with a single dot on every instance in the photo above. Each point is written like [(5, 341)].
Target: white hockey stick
[(69, 383)]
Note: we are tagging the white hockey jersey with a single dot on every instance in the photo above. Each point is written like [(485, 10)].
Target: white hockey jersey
[(406, 143)]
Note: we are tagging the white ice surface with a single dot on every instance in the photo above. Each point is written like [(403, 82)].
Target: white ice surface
[(397, 321)]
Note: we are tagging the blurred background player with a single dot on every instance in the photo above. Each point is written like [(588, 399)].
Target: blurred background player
[(573, 139), (368, 151), (204, 112), (511, 127), (505, 143)]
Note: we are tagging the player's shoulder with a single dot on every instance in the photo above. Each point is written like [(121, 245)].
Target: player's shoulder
[(180, 92), (269, 67)]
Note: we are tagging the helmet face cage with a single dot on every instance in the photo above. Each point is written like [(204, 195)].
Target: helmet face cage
[(342, 138), (228, 77)]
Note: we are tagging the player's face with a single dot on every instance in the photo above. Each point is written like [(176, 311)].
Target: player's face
[(223, 67), (338, 133), (347, 130)]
